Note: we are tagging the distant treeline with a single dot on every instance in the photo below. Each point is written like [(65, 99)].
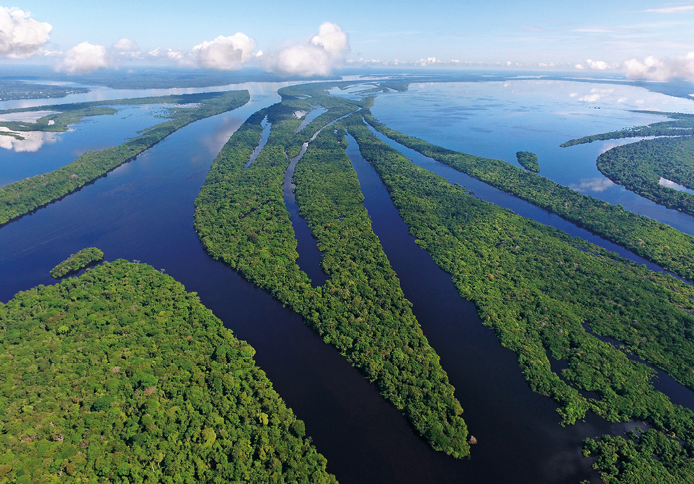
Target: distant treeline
[(10, 90)]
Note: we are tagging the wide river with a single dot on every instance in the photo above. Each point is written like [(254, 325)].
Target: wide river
[(143, 211)]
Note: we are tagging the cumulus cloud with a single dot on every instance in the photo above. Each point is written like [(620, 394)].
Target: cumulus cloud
[(225, 53), (595, 65), (167, 54), (318, 56), (84, 57), (127, 49), (655, 69), (20, 35)]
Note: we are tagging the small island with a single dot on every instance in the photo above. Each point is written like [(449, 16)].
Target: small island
[(528, 160), (77, 261)]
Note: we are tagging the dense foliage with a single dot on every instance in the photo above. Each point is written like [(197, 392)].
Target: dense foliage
[(241, 218), (10, 90), (537, 287), (19, 198), (639, 167), (121, 376), (682, 125), (655, 241), (77, 261), (528, 161)]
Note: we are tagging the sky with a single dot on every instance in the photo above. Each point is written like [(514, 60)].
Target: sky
[(650, 39)]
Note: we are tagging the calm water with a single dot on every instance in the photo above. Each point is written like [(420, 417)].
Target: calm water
[(42, 152), (497, 119), (144, 210)]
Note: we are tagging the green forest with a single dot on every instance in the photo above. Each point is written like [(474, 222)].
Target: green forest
[(77, 261), (652, 240), (241, 218), (21, 197), (536, 287), (528, 161), (121, 376), (639, 167)]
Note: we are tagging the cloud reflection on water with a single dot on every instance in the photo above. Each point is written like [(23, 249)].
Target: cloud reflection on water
[(32, 142)]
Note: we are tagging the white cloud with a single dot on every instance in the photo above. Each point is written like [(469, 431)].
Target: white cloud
[(592, 185), (655, 69), (125, 45), (84, 57), (126, 48), (318, 56), (225, 53), (682, 9), (20, 35), (167, 54)]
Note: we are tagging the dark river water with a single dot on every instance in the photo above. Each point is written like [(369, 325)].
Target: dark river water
[(144, 210)]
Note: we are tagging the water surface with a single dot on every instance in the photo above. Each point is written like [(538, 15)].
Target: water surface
[(497, 119)]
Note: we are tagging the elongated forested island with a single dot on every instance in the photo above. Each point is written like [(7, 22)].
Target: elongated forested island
[(120, 375), (21, 197), (77, 261)]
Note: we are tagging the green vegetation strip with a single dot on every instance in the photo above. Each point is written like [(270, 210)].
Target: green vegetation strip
[(77, 261), (241, 218), (528, 161), (121, 376), (639, 167), (682, 125), (648, 238), (536, 287), (20, 198)]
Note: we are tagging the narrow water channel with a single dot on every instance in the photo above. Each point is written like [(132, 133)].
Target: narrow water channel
[(517, 205), (679, 394), (267, 126), (310, 257), (519, 435), (315, 112)]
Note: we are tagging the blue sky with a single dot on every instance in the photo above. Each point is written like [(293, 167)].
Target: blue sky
[(531, 32)]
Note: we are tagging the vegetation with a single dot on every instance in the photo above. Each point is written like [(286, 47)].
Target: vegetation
[(646, 237), (241, 218), (536, 287), (76, 262), (57, 122), (19, 198), (682, 125), (639, 167), (10, 90), (121, 376), (528, 161)]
